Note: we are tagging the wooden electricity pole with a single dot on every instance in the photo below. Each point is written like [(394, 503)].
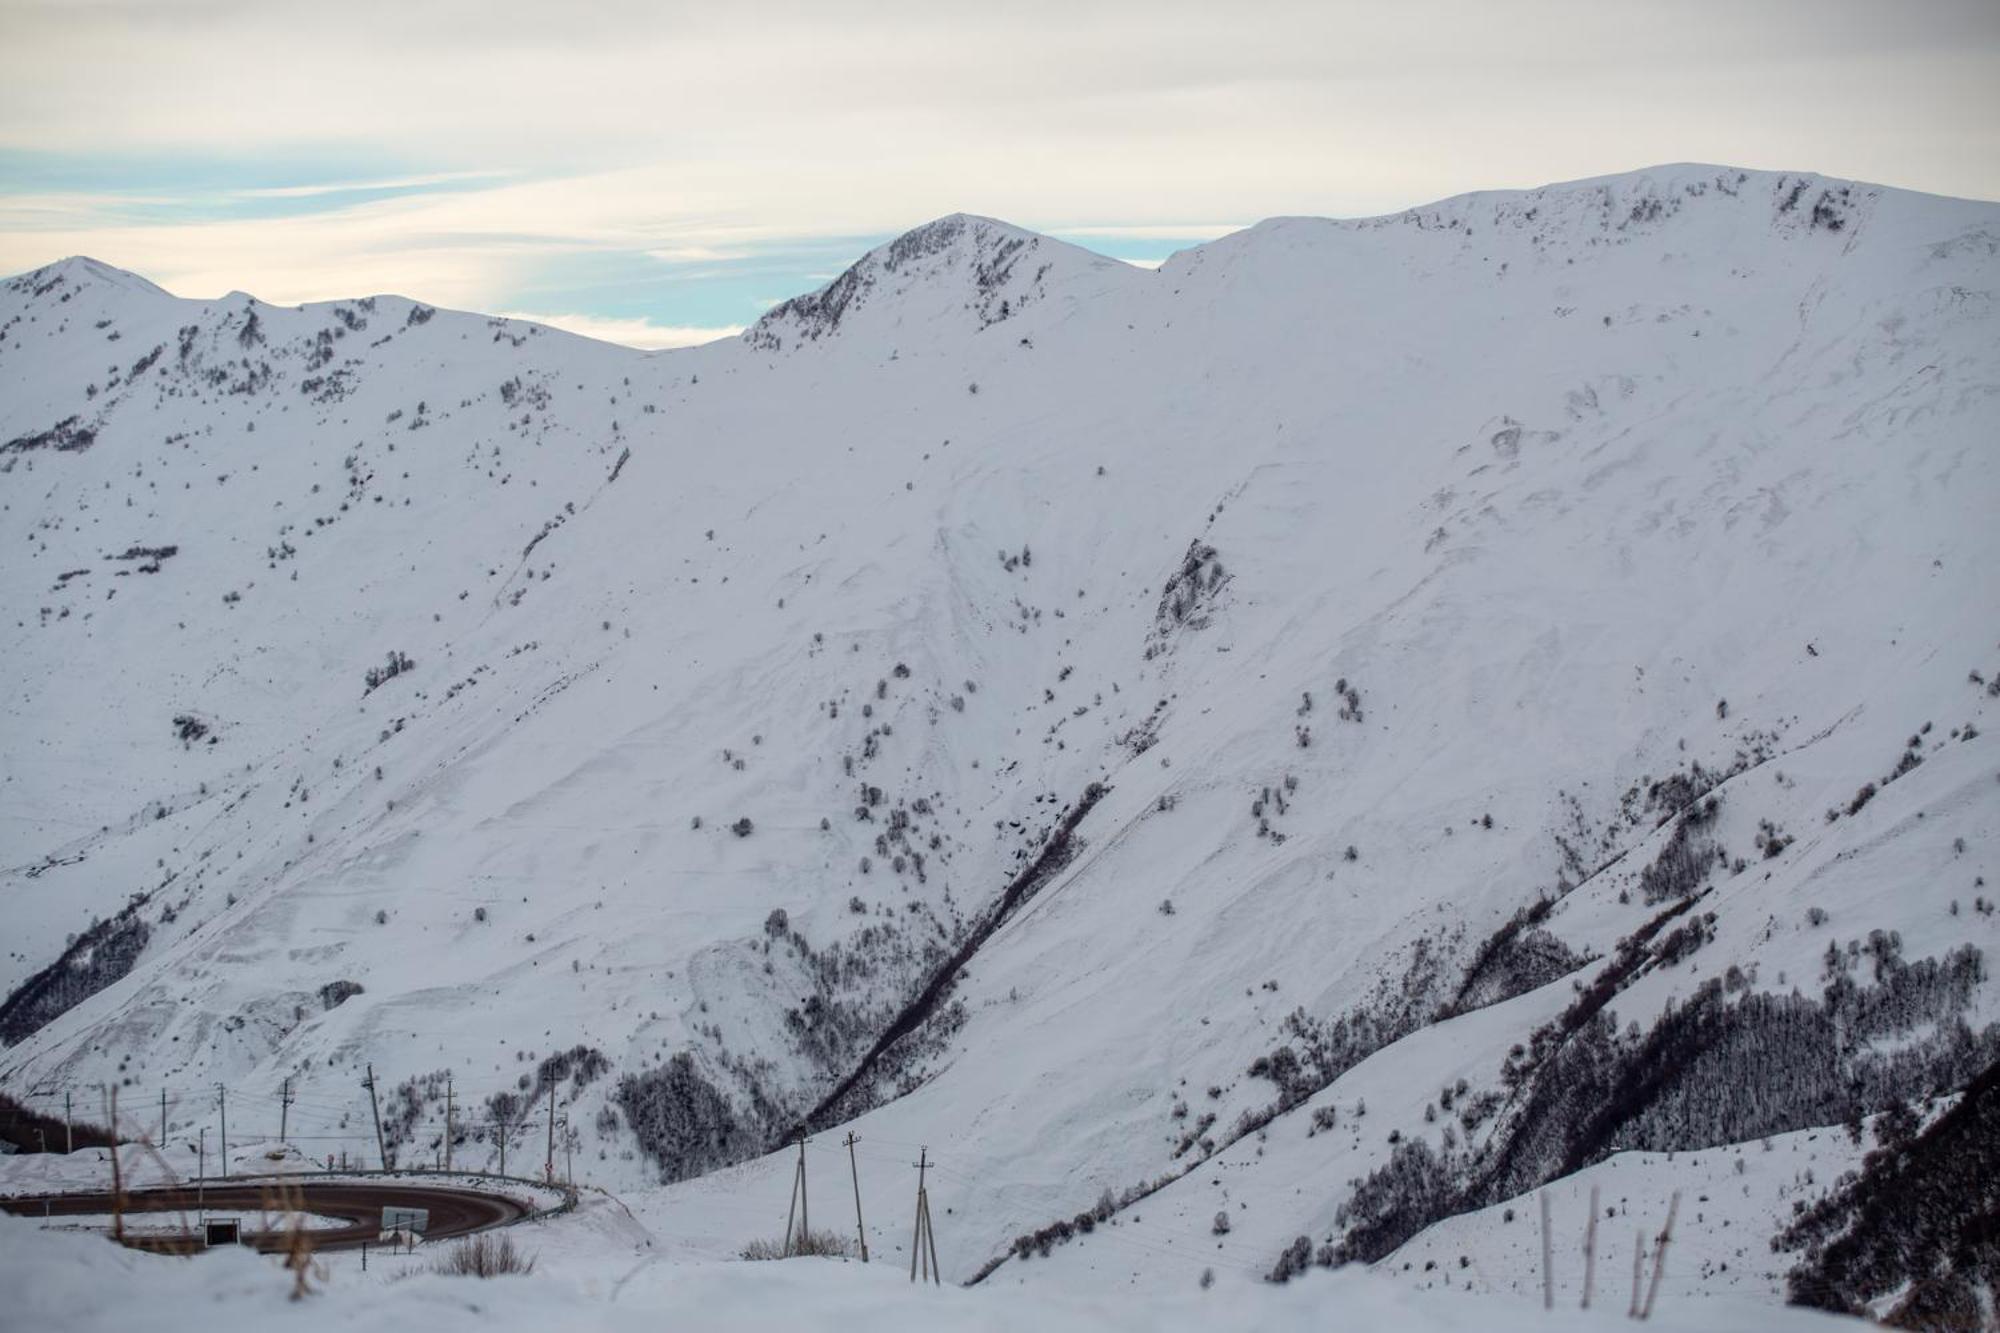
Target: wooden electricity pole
[(284, 1110), (69, 1133), (376, 1107), (549, 1166), (860, 1227), (924, 1246), (569, 1157), (798, 1207), (222, 1100), (163, 1118), (117, 1176), (447, 1122)]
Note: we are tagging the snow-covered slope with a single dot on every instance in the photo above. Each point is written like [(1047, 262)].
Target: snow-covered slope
[(78, 1282), (1047, 690)]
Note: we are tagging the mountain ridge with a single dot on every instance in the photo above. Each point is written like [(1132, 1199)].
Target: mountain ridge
[(1646, 184)]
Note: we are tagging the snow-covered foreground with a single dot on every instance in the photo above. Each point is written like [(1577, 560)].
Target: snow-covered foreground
[(1334, 734), (60, 1280)]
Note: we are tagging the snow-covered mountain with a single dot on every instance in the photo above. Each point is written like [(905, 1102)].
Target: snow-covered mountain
[(1246, 762)]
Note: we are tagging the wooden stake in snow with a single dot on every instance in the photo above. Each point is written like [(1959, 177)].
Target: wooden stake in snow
[(1590, 1250), (1638, 1268), (1660, 1255), (1548, 1273)]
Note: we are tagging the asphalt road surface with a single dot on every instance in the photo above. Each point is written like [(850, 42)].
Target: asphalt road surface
[(454, 1211)]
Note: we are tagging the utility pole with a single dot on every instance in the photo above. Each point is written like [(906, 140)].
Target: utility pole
[(924, 1246), (69, 1132), (506, 1130), (447, 1122), (569, 1155), (118, 1179), (163, 1118), (376, 1107), (860, 1228), (222, 1095), (549, 1167), (201, 1175), (284, 1110), (798, 1201)]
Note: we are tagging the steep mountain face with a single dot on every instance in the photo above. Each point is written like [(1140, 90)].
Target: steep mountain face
[(1256, 763)]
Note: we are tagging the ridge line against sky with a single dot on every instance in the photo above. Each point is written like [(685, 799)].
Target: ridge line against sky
[(663, 173)]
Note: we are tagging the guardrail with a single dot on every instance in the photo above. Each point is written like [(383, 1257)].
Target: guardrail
[(569, 1192)]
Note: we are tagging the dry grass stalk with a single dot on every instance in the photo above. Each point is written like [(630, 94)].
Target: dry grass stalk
[(829, 1244), (287, 1201), (485, 1254)]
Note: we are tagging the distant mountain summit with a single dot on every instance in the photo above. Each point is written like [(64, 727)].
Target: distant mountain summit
[(983, 271)]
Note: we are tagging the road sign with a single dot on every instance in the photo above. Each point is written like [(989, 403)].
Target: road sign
[(404, 1226)]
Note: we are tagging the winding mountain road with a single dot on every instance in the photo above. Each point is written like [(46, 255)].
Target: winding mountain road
[(455, 1210)]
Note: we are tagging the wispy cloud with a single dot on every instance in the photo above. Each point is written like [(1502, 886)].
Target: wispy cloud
[(700, 254), (640, 333), (431, 181)]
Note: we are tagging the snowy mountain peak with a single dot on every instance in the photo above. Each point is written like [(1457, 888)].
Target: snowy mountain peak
[(78, 273), (1678, 214), (971, 272)]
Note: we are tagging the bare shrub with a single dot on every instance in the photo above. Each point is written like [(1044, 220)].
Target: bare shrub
[(825, 1244), (486, 1254)]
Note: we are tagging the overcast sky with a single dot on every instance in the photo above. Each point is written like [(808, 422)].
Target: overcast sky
[(657, 172)]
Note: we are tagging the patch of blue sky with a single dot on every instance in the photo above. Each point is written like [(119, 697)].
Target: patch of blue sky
[(713, 290), (1146, 248), (168, 187)]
